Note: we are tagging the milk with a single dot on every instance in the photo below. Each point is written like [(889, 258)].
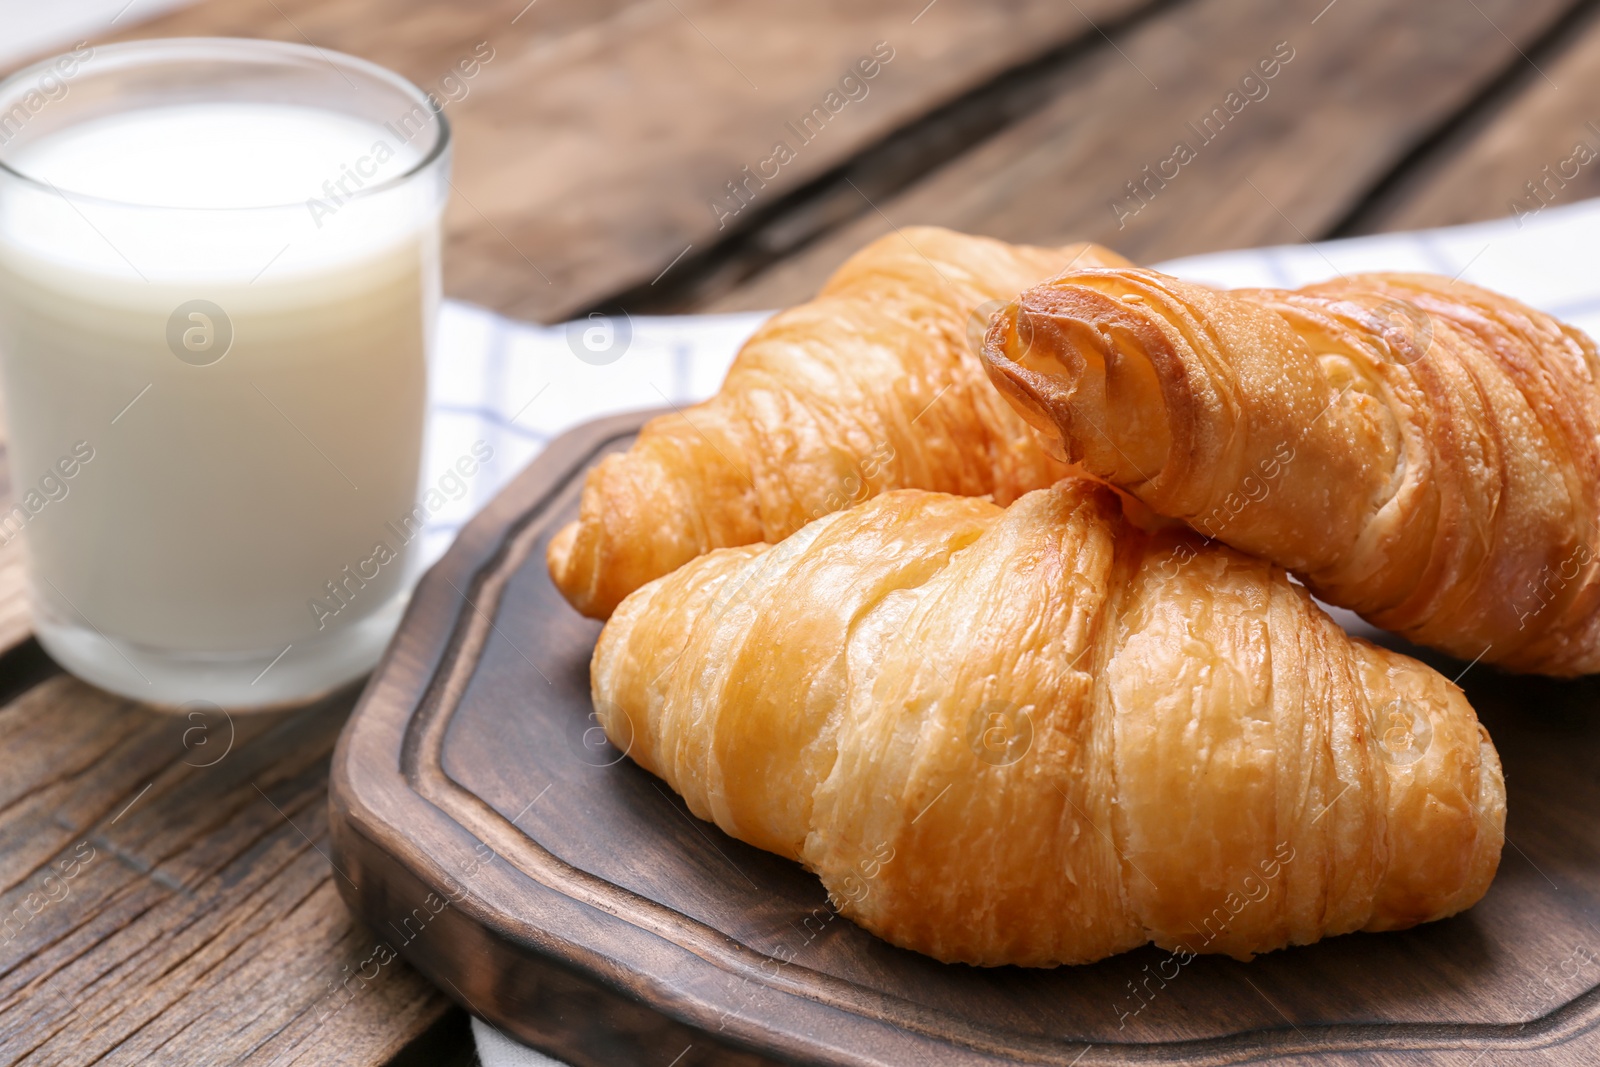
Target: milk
[(193, 297)]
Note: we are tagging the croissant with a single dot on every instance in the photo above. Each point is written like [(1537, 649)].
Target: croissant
[(874, 385), (1041, 735), (1420, 450)]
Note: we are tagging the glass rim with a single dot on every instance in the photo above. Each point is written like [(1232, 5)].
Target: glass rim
[(258, 48)]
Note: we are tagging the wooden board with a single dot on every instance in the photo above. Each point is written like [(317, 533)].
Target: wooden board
[(566, 896)]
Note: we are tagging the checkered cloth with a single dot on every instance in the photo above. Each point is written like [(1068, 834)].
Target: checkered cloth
[(516, 386), (513, 387)]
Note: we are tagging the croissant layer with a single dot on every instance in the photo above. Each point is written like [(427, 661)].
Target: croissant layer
[(874, 385), (1420, 450), (1040, 735)]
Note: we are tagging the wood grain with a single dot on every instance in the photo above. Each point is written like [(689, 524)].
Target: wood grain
[(579, 885), (207, 929), (1528, 135), (1368, 79), (590, 148), (200, 923)]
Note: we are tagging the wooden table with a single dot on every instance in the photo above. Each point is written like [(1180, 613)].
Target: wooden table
[(595, 150)]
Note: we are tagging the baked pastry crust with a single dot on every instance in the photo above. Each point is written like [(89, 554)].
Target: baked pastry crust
[(874, 385), (1422, 451), (1040, 735)]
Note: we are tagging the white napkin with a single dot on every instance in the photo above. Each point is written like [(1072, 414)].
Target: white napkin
[(505, 389), (490, 367), (497, 1050)]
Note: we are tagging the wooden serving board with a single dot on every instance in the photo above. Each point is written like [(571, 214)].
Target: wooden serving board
[(483, 827)]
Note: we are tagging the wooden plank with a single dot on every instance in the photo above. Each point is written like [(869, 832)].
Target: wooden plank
[(167, 897), (205, 929), (1366, 80), (592, 144), (1534, 145)]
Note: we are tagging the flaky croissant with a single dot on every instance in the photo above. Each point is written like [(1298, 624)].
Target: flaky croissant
[(1040, 735), (874, 385), (1420, 450)]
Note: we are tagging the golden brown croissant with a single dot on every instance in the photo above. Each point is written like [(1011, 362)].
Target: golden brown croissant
[(874, 385), (1040, 735), (1421, 450)]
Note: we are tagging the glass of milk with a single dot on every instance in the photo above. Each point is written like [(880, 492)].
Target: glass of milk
[(219, 276)]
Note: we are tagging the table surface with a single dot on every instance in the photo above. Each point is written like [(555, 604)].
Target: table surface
[(595, 149)]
